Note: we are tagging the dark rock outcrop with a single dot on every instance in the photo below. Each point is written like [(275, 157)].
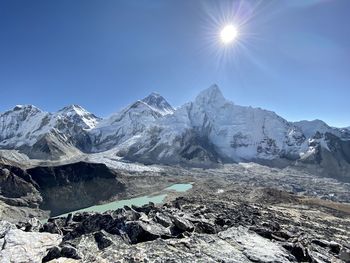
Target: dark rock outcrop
[(17, 187), (73, 186), (190, 219)]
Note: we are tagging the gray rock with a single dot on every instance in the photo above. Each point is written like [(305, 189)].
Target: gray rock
[(182, 223), (163, 219), (139, 231), (255, 247), (345, 254), (20, 246), (69, 251), (5, 227), (53, 253), (102, 240)]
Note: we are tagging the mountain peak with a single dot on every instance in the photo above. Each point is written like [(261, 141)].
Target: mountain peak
[(309, 128), (154, 94), (73, 108), (25, 107), (153, 97), (211, 95), (76, 112), (158, 103)]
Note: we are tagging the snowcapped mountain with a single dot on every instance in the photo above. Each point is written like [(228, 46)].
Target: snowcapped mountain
[(129, 122), (76, 117), (158, 103), (45, 135), (20, 125), (311, 128), (209, 130)]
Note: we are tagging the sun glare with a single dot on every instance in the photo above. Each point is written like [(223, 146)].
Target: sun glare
[(228, 34)]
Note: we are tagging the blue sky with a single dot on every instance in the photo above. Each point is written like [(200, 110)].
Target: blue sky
[(292, 57)]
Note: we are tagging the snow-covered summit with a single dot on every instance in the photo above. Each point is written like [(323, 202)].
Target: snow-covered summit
[(158, 103), (213, 126), (26, 107), (209, 129), (129, 122), (312, 128), (26, 125), (79, 115), (211, 96), (309, 128), (21, 125)]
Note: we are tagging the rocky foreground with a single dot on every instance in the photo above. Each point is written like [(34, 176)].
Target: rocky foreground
[(202, 226)]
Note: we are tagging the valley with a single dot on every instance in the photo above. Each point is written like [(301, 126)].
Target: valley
[(236, 213), (209, 181)]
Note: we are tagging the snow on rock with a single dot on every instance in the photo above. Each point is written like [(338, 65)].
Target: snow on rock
[(79, 116), (213, 124), (208, 130), (26, 123), (46, 135), (310, 128), (158, 103), (129, 122), (22, 125)]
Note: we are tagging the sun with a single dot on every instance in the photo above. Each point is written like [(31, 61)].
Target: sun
[(228, 34)]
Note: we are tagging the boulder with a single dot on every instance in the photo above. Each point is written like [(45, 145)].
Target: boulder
[(139, 231), (205, 227), (68, 251), (20, 246), (182, 224), (163, 219), (131, 215), (51, 227), (96, 222), (102, 240), (145, 208), (53, 253), (264, 232)]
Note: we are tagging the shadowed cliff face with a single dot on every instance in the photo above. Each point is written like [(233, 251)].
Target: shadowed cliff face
[(74, 186), (17, 188)]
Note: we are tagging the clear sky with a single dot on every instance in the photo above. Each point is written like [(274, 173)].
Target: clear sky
[(292, 57)]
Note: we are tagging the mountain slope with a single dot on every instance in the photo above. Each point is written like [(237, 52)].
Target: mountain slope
[(129, 122), (310, 128), (207, 131), (211, 130), (212, 126), (46, 135), (158, 103)]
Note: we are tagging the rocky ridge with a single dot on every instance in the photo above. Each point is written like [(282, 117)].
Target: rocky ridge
[(205, 227)]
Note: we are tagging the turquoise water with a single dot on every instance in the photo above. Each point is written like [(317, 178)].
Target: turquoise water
[(138, 201)]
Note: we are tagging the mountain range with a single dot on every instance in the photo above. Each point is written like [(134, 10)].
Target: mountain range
[(208, 131)]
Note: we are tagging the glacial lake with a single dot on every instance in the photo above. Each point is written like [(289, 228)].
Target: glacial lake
[(138, 201)]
